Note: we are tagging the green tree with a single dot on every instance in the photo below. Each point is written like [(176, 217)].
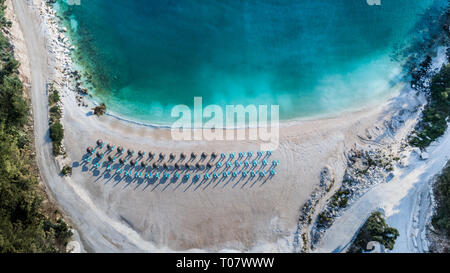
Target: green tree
[(57, 132)]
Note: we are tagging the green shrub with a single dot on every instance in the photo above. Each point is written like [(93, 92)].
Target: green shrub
[(323, 220), (374, 229), (55, 112), (53, 97), (441, 219), (66, 170)]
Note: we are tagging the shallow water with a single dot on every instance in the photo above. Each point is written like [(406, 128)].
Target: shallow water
[(309, 57)]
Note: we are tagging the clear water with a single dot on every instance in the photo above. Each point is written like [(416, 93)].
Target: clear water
[(311, 57)]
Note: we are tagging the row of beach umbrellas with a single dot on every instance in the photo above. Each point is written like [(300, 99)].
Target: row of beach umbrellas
[(172, 156), (187, 165), (206, 176)]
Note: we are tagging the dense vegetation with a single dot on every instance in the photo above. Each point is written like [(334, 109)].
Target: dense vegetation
[(441, 219), (436, 114), (23, 225), (375, 229), (66, 170), (56, 128)]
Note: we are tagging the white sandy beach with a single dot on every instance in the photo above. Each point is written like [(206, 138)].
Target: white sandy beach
[(232, 215)]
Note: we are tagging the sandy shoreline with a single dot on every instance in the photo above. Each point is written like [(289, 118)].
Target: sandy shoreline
[(116, 216)]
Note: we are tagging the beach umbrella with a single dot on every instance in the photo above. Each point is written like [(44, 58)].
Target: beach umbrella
[(209, 166), (120, 149), (213, 155), (204, 155), (155, 166), (193, 155), (133, 162), (109, 147), (198, 166), (165, 166), (187, 165), (99, 155), (172, 156), (143, 164), (177, 166), (151, 155), (162, 156), (182, 155), (110, 159), (99, 142), (89, 150), (130, 152), (121, 161), (141, 153)]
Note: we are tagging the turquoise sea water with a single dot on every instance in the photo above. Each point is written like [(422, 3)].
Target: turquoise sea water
[(310, 57)]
